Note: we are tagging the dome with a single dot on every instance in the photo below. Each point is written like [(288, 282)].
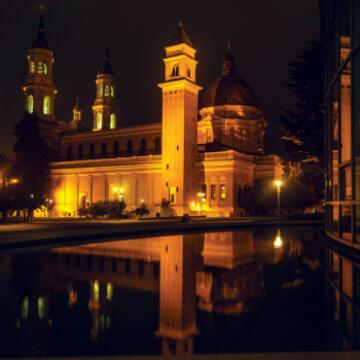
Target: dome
[(229, 89)]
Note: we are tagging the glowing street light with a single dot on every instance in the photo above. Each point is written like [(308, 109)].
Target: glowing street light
[(278, 184), (119, 191)]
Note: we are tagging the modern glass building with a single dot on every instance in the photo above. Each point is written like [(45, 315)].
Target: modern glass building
[(340, 25)]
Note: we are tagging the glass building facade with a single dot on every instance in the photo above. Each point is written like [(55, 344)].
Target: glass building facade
[(340, 27)]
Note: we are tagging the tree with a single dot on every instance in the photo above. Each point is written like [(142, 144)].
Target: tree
[(142, 210), (31, 163), (303, 127), (5, 202), (4, 167)]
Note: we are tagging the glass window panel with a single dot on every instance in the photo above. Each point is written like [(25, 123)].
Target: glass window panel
[(346, 188), (346, 222), (347, 278)]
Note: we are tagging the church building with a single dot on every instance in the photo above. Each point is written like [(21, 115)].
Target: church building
[(197, 157)]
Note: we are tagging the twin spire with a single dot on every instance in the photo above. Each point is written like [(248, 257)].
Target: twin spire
[(40, 40), (107, 68)]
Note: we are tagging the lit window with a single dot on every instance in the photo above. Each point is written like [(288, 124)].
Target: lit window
[(172, 194), (222, 192), (40, 68), (213, 192), (99, 121), (100, 91), (46, 105), (175, 70), (107, 90), (112, 121), (45, 69), (32, 67), (30, 104), (112, 91)]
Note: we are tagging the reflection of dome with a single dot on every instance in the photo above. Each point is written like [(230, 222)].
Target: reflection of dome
[(229, 89)]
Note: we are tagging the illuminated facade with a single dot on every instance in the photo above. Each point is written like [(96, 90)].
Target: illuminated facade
[(340, 39), (174, 159)]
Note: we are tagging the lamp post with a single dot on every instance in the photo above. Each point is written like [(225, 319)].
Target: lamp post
[(119, 191), (278, 184)]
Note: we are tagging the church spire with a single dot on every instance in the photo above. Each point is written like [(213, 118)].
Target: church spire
[(180, 37), (229, 63), (40, 40), (106, 68)]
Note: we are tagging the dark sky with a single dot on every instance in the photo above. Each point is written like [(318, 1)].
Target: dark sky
[(265, 37)]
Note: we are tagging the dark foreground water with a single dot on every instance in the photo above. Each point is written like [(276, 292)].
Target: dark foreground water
[(261, 290)]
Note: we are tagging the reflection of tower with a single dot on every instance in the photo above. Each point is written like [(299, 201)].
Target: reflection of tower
[(177, 295), (179, 121), (236, 285), (99, 306)]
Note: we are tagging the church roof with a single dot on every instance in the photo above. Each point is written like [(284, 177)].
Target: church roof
[(180, 37), (229, 88), (106, 68), (40, 40)]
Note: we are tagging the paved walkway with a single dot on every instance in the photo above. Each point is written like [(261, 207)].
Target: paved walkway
[(60, 232)]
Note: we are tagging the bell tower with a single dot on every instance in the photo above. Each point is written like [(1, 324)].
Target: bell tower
[(179, 122), (105, 108), (39, 88)]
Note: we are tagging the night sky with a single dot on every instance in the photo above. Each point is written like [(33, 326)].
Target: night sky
[(265, 35)]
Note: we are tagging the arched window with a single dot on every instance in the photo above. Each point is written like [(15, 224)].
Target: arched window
[(69, 152), (112, 91), (80, 151), (39, 67), (175, 70), (30, 104), (143, 147), (32, 67), (100, 90), (91, 151), (46, 105), (103, 149), (45, 69), (99, 121), (157, 145), (107, 90), (113, 121), (129, 147), (116, 148), (188, 72)]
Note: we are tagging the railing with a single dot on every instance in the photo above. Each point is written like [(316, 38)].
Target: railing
[(108, 155)]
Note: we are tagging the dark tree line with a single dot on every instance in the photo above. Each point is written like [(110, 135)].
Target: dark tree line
[(303, 127), (26, 179)]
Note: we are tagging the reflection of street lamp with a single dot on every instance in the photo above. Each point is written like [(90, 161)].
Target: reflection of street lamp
[(278, 184), (278, 243), (14, 181)]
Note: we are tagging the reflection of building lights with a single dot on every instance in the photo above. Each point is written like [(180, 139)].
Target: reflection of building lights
[(278, 243), (14, 181), (72, 297), (109, 291), (41, 308)]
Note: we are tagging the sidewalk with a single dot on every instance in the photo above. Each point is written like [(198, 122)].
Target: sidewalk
[(61, 232)]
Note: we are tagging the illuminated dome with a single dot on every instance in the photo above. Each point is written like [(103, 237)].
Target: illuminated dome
[(229, 89)]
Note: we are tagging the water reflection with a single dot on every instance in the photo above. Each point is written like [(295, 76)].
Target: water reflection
[(180, 294), (343, 298)]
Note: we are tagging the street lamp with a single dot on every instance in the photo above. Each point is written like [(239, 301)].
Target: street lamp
[(278, 184), (119, 191)]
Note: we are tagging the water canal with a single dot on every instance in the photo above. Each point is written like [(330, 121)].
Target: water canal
[(253, 290)]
